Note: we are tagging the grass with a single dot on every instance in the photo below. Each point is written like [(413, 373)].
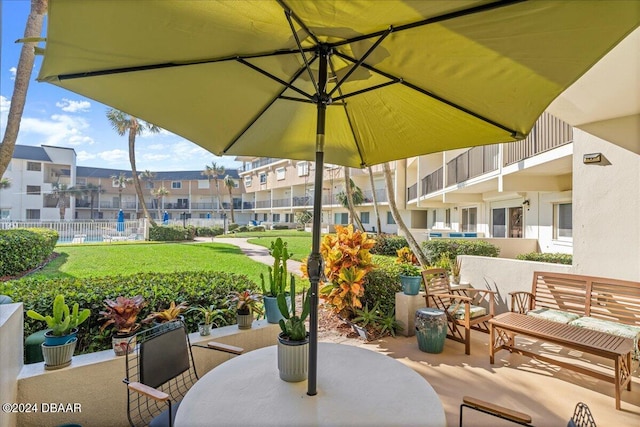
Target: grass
[(299, 246), (107, 260), (271, 234)]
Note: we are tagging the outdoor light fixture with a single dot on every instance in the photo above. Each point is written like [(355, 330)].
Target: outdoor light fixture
[(592, 158), (526, 203)]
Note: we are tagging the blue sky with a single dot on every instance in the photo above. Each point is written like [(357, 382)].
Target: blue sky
[(54, 116)]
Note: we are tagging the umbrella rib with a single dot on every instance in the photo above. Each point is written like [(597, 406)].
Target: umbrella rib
[(361, 60), (513, 132), (288, 14), (289, 11), (277, 79), (432, 20), (369, 89), (266, 107)]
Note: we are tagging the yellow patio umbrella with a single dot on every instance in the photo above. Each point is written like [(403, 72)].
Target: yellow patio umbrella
[(349, 82)]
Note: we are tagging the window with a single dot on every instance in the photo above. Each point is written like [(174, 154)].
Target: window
[(5, 214), (33, 189), (303, 168), (264, 217), (176, 185), (203, 184), (447, 218), (183, 203), (469, 219), (562, 221), (390, 219), (288, 217), (364, 217), (36, 167), (434, 217), (280, 174), (148, 185), (276, 217), (33, 214), (263, 178), (341, 218), (247, 181)]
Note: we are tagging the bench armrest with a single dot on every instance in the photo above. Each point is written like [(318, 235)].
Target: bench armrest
[(150, 392), (521, 301)]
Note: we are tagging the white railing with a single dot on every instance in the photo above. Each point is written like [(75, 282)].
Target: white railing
[(87, 231)]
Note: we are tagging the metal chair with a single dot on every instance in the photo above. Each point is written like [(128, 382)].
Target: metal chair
[(159, 372), (461, 305)]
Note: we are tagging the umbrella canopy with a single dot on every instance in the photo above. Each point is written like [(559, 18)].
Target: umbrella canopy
[(364, 82)]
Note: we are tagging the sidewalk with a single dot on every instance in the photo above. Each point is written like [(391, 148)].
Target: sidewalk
[(255, 252)]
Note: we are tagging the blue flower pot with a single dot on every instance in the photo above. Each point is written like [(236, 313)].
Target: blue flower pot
[(410, 284), (271, 308), (52, 340)]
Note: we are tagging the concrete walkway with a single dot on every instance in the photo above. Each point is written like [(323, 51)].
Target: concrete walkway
[(255, 252)]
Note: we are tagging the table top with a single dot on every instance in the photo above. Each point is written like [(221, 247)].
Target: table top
[(355, 387)]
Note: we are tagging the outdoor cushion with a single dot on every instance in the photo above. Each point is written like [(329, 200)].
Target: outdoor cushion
[(475, 311), (553, 315), (613, 328)]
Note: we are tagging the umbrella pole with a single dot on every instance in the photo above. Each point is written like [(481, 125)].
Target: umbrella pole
[(314, 264)]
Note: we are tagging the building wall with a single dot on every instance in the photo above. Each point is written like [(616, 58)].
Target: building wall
[(11, 357), (606, 210)]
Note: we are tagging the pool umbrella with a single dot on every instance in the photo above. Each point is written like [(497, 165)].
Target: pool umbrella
[(347, 82), (165, 218), (120, 224)]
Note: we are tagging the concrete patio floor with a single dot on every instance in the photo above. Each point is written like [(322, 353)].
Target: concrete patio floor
[(546, 392)]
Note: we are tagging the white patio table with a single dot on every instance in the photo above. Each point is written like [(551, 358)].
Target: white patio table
[(356, 387)]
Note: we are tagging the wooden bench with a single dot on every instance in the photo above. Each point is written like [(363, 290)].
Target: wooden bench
[(583, 296)]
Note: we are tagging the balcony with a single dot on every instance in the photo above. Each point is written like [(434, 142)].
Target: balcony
[(548, 133), (262, 204)]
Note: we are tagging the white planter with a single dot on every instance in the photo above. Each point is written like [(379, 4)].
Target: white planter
[(293, 359), (122, 346), (58, 356)]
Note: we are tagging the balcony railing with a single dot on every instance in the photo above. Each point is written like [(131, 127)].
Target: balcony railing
[(381, 195), (412, 192), (432, 182), (472, 163), (302, 201), (261, 204), (548, 133), (247, 205), (281, 203)]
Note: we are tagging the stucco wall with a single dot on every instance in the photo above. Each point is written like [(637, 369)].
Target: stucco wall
[(11, 356), (95, 380), (606, 210)]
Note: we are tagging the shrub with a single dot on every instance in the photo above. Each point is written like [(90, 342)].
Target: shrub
[(158, 289), (232, 227), (257, 228), (380, 286), (173, 233), (433, 249), (388, 244), (279, 227), (241, 229), (22, 249), (555, 258), (208, 231)]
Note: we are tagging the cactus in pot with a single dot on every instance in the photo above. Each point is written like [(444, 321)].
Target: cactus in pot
[(293, 326), (277, 282)]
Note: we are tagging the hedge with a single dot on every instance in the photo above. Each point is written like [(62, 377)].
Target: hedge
[(208, 231), (22, 249), (257, 228), (388, 244), (433, 249), (233, 226), (279, 227), (555, 258), (380, 286), (173, 233), (158, 289)]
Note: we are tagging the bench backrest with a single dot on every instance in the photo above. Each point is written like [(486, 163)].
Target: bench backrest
[(603, 298)]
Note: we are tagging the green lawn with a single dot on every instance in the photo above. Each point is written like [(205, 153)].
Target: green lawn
[(271, 234), (107, 260), (299, 246)]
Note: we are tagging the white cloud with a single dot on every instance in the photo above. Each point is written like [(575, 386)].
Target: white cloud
[(155, 157), (61, 130), (4, 104), (13, 71), (71, 106), (83, 156), (114, 156), (156, 147)]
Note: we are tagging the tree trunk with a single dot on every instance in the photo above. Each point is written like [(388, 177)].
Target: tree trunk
[(413, 245), (233, 220), (375, 200), (134, 172), (23, 75), (352, 211)]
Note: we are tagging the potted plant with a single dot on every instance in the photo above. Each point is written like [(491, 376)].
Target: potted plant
[(61, 338), (410, 273), (456, 267), (277, 280), (246, 304), (122, 313), (293, 341), (210, 313), (168, 314)]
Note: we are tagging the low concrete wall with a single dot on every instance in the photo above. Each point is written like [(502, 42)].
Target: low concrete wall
[(94, 381), (504, 275), (510, 248), (11, 357)]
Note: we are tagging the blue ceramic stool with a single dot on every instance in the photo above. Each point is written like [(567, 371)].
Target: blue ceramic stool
[(431, 329)]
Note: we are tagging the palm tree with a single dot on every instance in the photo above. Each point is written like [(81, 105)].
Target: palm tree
[(213, 171), (160, 193), (148, 176), (33, 29), (124, 123), (61, 193), (391, 197), (230, 184), (350, 197), (92, 191), (375, 200), (121, 182)]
